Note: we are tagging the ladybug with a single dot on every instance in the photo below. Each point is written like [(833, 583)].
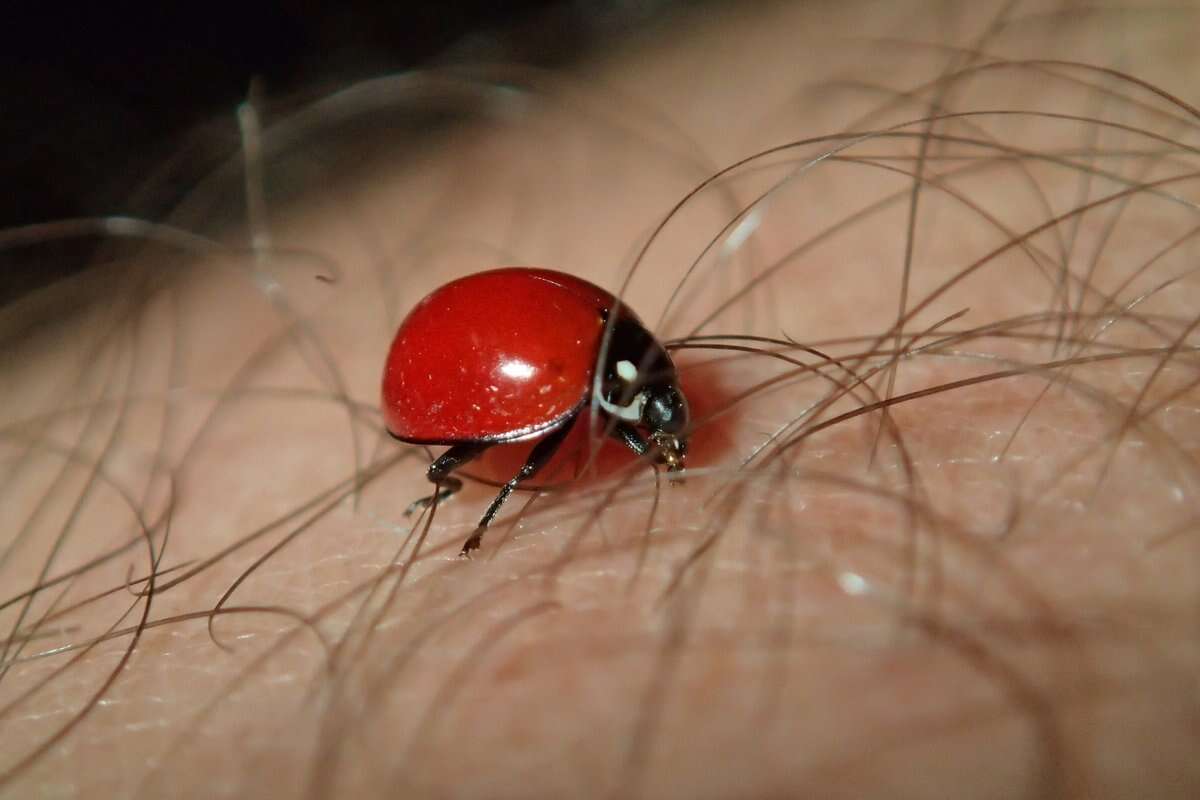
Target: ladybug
[(515, 354)]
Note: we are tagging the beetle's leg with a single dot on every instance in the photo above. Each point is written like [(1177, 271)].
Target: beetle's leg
[(439, 473), (540, 455), (628, 436)]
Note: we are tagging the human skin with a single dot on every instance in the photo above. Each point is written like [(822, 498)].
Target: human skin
[(990, 591)]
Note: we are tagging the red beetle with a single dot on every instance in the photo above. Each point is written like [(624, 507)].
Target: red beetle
[(515, 354)]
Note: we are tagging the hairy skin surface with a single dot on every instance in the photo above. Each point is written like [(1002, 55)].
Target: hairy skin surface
[(992, 592)]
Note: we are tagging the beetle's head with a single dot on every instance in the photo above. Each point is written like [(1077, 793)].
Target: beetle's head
[(665, 415)]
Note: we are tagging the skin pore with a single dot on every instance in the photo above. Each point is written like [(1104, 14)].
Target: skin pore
[(990, 590)]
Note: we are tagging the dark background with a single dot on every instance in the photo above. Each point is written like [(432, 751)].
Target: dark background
[(96, 97)]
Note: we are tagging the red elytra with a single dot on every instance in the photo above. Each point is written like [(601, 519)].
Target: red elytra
[(498, 356), (512, 354)]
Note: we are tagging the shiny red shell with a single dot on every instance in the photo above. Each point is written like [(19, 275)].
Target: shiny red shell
[(498, 356)]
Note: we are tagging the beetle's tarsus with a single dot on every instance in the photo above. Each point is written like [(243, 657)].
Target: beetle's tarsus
[(471, 543), (446, 488)]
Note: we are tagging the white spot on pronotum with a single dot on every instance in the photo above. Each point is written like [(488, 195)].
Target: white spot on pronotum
[(627, 371), (629, 413)]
